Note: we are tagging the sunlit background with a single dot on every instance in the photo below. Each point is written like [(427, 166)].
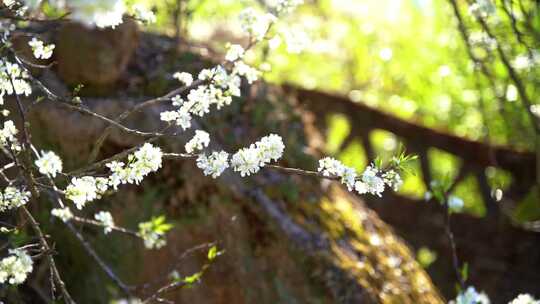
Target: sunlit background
[(404, 57)]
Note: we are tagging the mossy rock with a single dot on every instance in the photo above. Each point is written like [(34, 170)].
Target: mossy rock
[(95, 58)]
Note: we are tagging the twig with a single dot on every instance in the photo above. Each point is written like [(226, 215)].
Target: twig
[(46, 247), (120, 118), (99, 224), (110, 273)]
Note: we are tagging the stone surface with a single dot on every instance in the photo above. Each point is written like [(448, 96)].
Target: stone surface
[(95, 58)]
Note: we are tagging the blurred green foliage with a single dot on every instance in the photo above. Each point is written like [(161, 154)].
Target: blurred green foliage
[(405, 57)]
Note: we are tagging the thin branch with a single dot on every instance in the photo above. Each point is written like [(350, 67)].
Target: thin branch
[(47, 248), (511, 72), (110, 273), (92, 222), (66, 103), (122, 117)]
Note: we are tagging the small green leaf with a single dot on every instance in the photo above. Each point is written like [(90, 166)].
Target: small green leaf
[(465, 271), (193, 278), (212, 253)]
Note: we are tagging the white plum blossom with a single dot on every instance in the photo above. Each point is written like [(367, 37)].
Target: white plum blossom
[(143, 14), (329, 166), (284, 6), (153, 238), (177, 100), (455, 203), (482, 8), (234, 52), (120, 175), (372, 183), (526, 61), (183, 77), (148, 159), (144, 161), (295, 40), (348, 177), (482, 39), (219, 91), (524, 299), (270, 148), (198, 101), (248, 161), (242, 69), (14, 269), (254, 23), (200, 140), (9, 3), (128, 301), (49, 164), (8, 136), (40, 50), (214, 164), (392, 179), (82, 190), (183, 119), (275, 42), (12, 198), (64, 214), (13, 80), (168, 116), (106, 219), (100, 13), (471, 296)]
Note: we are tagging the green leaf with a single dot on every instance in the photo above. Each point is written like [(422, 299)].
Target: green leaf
[(212, 253), (465, 271), (193, 278)]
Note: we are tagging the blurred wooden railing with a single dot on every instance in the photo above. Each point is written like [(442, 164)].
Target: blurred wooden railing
[(501, 255), (475, 156)]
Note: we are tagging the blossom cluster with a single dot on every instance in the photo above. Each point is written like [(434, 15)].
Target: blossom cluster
[(17, 7), (256, 24), (8, 136), (482, 8), (213, 164), (249, 160), (100, 13), (85, 189), (143, 14), (152, 235), (13, 80), (49, 164), (481, 39), (527, 62), (106, 219), (144, 161), (15, 268), (220, 89), (285, 6), (371, 181), (200, 141), (471, 296), (40, 50), (91, 13), (64, 214), (455, 204), (184, 77), (12, 198), (524, 299)]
